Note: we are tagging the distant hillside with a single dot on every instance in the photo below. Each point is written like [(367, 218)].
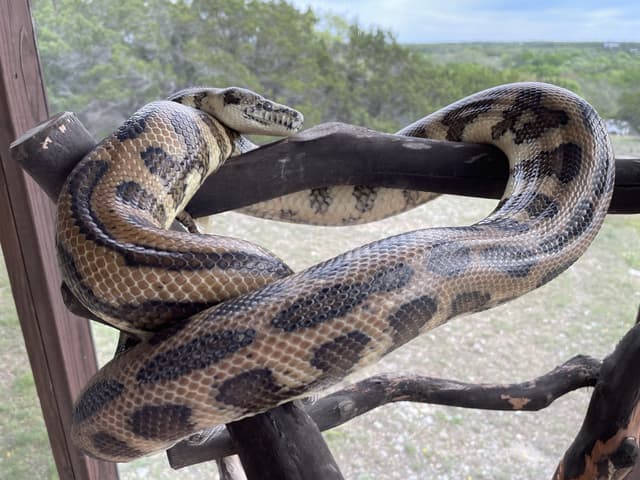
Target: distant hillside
[(607, 74)]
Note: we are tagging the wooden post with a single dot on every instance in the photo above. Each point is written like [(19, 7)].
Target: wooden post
[(59, 345)]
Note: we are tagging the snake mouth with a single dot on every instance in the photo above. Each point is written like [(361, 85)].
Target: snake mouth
[(278, 118), (243, 110)]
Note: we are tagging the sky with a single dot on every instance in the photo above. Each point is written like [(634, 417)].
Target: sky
[(428, 21)]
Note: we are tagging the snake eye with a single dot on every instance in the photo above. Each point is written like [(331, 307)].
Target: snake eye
[(267, 106)]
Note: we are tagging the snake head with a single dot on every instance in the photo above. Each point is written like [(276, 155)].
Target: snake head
[(243, 110)]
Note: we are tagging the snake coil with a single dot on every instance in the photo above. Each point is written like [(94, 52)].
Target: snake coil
[(227, 330)]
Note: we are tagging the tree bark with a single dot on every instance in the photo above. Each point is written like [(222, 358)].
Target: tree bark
[(607, 444), (327, 154), (283, 444)]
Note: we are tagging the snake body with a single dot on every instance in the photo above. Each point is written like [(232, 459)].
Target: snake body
[(276, 335)]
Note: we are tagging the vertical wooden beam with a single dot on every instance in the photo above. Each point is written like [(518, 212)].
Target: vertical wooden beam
[(59, 345)]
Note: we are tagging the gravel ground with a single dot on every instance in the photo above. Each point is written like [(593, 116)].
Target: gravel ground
[(585, 310)]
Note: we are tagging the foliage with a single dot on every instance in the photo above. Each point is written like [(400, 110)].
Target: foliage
[(103, 59), (630, 108), (603, 74)]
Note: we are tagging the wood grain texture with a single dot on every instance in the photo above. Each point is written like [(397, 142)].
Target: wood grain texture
[(283, 444), (607, 442), (59, 345), (326, 154)]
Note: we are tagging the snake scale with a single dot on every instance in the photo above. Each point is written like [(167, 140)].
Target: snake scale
[(227, 330)]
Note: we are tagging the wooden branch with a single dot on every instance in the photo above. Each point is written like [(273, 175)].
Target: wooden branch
[(283, 444), (354, 400), (230, 468), (342, 154), (333, 154), (50, 150), (607, 444), (579, 372)]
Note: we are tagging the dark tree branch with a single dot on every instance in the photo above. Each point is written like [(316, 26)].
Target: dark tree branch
[(359, 398), (327, 154), (50, 150), (579, 372), (283, 443), (342, 154), (607, 444)]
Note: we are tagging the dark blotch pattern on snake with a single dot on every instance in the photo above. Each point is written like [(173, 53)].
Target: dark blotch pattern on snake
[(267, 335)]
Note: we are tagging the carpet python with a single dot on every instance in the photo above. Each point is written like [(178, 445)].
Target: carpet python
[(226, 330)]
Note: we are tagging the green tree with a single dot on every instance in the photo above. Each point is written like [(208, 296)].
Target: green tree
[(103, 59), (630, 108)]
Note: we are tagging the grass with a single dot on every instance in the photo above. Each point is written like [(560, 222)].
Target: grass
[(585, 310), (24, 446)]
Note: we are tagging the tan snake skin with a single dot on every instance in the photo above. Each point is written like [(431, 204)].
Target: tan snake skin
[(277, 335), (339, 205)]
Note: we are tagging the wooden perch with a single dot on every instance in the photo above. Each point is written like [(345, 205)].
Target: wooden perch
[(327, 154), (50, 150), (283, 443), (359, 398), (343, 154), (607, 444)]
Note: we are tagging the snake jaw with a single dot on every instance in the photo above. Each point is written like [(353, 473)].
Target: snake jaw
[(265, 117), (249, 112), (243, 110), (274, 117)]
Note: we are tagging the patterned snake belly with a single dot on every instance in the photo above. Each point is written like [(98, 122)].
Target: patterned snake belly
[(229, 331)]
